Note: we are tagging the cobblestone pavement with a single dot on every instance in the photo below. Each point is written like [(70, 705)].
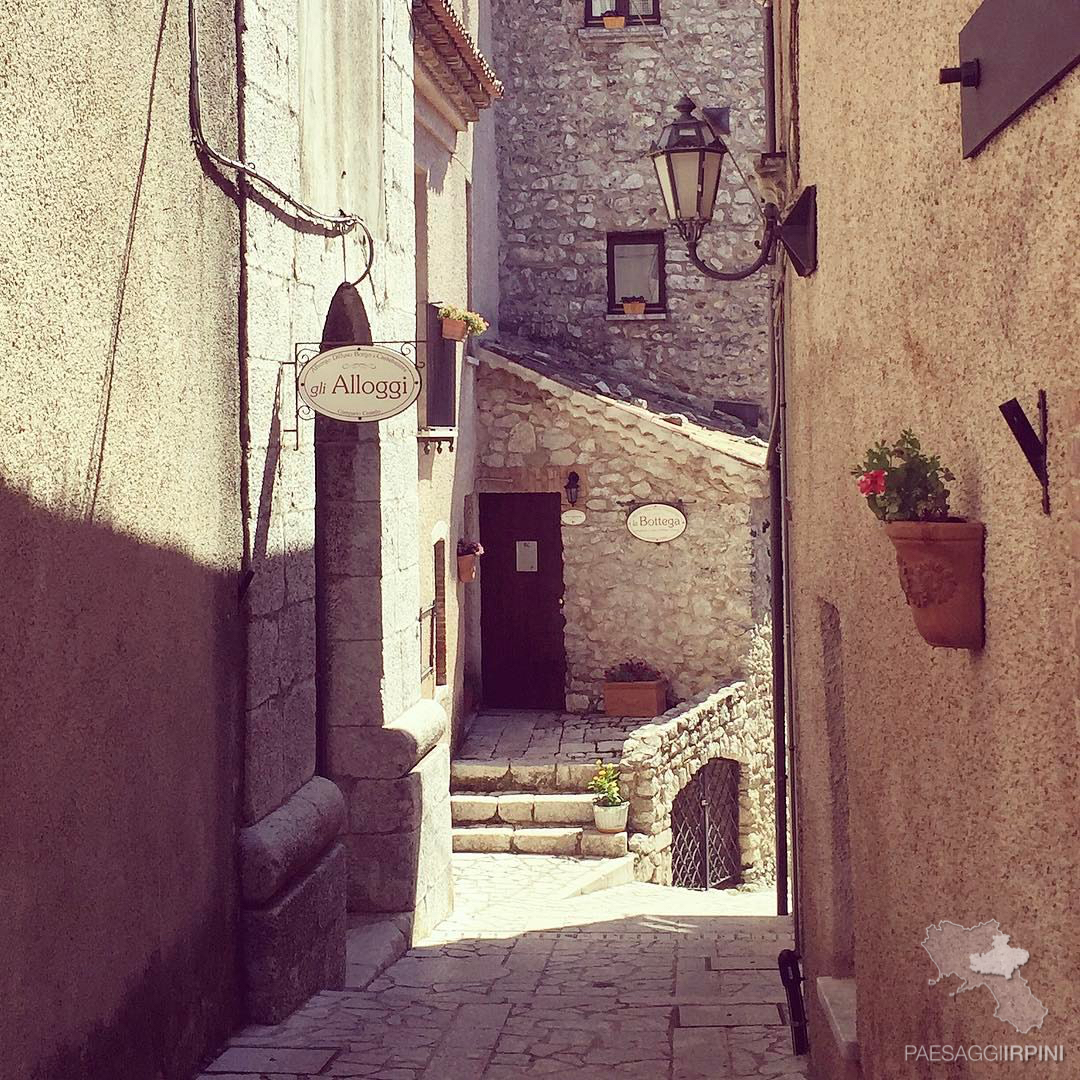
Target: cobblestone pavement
[(636, 982), (547, 736)]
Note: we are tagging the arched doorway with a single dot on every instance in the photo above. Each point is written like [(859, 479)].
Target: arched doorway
[(705, 852)]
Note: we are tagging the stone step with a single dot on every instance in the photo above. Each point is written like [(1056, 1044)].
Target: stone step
[(538, 840), (514, 775), (521, 808)]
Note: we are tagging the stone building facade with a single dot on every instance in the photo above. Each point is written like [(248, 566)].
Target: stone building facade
[(688, 607), (582, 107), (934, 784)]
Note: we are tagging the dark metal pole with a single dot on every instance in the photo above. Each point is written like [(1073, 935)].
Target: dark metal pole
[(779, 674), (769, 77), (776, 519), (706, 859)]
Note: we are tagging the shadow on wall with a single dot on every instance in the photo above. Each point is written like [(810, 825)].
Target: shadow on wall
[(120, 667)]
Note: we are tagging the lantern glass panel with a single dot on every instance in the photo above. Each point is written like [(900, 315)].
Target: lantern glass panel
[(710, 182), (685, 168), (663, 175)]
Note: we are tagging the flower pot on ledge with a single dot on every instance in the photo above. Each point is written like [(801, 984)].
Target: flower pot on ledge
[(633, 307), (645, 699), (941, 573), (610, 819), (453, 329), (466, 567), (614, 22)]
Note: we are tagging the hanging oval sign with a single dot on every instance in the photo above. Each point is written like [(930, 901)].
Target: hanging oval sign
[(656, 523), (573, 517), (359, 383)]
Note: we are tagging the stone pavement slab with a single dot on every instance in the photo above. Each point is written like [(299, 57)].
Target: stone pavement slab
[(252, 1059), (525, 983), (728, 1015)]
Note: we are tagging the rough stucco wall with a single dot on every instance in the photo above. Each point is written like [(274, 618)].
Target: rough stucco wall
[(944, 287), (684, 606), (120, 632), (581, 110)]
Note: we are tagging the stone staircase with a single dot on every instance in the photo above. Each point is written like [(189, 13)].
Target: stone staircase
[(528, 809)]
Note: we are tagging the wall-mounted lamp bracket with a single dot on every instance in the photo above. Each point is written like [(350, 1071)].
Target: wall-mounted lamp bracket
[(797, 232), (1033, 445)]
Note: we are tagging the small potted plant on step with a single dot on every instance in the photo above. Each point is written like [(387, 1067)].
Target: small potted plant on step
[(613, 20), (940, 558), (633, 305), (634, 688), (468, 551), (610, 809), (459, 323)]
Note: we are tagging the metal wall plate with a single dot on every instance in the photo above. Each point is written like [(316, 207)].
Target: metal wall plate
[(1023, 48)]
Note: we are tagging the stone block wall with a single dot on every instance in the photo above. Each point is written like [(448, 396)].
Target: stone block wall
[(581, 110), (660, 758), (686, 606)]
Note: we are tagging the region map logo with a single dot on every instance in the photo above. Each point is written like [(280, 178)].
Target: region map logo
[(981, 957)]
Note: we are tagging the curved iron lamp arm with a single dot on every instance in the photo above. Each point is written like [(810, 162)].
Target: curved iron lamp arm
[(769, 238)]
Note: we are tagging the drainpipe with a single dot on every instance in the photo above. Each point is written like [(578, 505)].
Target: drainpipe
[(779, 615), (776, 520)]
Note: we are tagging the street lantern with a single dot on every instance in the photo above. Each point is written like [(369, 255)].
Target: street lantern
[(688, 157)]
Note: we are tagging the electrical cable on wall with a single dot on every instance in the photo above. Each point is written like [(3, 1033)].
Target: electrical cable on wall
[(342, 222), (681, 82)]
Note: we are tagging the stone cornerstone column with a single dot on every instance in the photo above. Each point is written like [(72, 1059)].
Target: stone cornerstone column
[(382, 745)]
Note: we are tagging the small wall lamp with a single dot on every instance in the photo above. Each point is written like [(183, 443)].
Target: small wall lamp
[(573, 486)]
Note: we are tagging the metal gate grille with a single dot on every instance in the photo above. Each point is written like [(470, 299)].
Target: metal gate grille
[(705, 829)]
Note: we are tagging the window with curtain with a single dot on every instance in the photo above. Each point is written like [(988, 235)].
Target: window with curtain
[(635, 267), (636, 11)]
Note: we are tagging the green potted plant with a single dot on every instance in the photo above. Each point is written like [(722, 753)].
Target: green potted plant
[(468, 551), (633, 305), (610, 809), (613, 20), (634, 688), (940, 557), (458, 323)]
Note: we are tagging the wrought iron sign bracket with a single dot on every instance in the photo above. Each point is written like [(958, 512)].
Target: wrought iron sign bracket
[(306, 351), (1034, 446)]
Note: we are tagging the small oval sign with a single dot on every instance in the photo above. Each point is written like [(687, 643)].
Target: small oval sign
[(656, 523), (573, 517), (359, 383)]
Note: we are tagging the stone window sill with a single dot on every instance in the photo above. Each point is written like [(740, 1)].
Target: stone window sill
[(649, 316), (837, 998), (601, 35)]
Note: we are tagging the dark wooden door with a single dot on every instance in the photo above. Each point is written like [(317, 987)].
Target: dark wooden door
[(521, 588)]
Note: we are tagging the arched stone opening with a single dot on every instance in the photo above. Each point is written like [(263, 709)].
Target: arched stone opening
[(705, 848), (717, 739)]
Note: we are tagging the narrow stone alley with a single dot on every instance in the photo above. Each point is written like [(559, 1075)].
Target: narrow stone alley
[(529, 978)]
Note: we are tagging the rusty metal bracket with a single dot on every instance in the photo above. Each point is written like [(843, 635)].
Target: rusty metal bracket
[(1034, 446)]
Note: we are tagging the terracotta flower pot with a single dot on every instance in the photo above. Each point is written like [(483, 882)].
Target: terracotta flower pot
[(614, 22), (466, 567), (633, 307), (453, 329), (941, 573), (635, 698), (610, 819)]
